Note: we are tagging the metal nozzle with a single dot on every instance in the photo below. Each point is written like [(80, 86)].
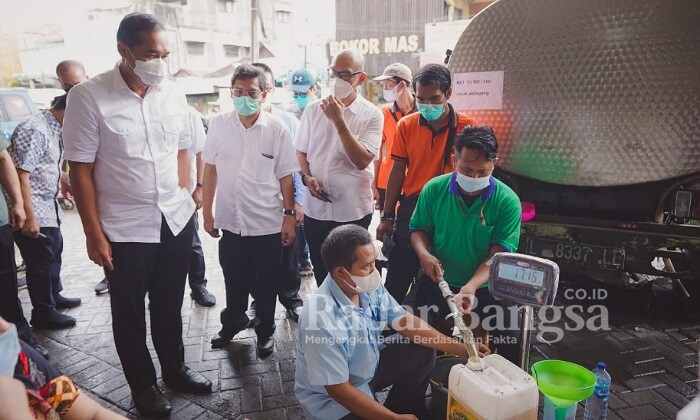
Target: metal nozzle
[(466, 333)]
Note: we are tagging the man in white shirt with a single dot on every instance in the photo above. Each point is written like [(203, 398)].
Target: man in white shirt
[(253, 153), (126, 141), (337, 143)]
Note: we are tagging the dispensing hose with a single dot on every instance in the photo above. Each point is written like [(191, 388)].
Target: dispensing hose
[(474, 362)]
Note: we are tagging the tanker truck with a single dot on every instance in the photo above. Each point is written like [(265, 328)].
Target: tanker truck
[(596, 105)]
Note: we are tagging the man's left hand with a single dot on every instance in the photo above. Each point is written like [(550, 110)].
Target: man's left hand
[(66, 191), (288, 230), (465, 299), (333, 110), (197, 197)]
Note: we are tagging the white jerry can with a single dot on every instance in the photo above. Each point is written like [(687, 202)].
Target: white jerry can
[(498, 392)]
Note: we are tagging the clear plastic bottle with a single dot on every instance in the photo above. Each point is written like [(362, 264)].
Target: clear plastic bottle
[(597, 404)]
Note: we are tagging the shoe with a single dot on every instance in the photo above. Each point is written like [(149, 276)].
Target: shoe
[(202, 296), (102, 286), (294, 313), (63, 302), (34, 343), (220, 341), (21, 282), (52, 320), (187, 380), (151, 402), (265, 346)]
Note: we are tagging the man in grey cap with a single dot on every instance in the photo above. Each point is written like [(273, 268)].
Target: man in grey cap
[(303, 90)]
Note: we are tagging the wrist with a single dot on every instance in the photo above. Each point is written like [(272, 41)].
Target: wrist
[(199, 185)]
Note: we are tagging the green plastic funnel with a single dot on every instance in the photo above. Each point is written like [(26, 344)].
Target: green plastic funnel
[(564, 383)]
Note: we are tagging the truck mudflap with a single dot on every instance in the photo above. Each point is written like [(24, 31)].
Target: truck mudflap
[(610, 251)]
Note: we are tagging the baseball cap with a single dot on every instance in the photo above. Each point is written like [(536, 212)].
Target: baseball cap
[(395, 70), (302, 80)]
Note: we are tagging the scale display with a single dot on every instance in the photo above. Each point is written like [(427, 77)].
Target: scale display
[(523, 279)]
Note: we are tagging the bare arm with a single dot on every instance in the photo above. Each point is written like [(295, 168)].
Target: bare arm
[(421, 243), (356, 151), (210, 179), (85, 407), (465, 297), (359, 403), (98, 247), (420, 332), (312, 184), (10, 182), (397, 175), (31, 226), (289, 222), (197, 191), (183, 169)]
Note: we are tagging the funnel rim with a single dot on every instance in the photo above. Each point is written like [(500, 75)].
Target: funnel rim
[(573, 365)]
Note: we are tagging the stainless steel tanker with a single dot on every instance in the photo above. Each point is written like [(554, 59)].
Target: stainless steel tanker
[(599, 127)]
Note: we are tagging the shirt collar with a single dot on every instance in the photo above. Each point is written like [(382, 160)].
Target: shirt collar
[(342, 299), (262, 120), (488, 191), (426, 123), (51, 119), (395, 108), (355, 105)]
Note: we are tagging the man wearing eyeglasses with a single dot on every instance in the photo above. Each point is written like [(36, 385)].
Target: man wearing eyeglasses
[(303, 90), (461, 220), (249, 160), (337, 142)]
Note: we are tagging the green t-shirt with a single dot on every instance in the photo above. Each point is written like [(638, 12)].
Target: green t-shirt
[(461, 234), (4, 144)]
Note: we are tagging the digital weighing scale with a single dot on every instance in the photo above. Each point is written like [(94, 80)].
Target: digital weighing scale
[(525, 280)]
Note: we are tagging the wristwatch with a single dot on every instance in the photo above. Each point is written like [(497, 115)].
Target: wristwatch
[(387, 216), (289, 212)]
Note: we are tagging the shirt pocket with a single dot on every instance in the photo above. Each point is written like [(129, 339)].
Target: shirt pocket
[(123, 136), (168, 133), (260, 168)]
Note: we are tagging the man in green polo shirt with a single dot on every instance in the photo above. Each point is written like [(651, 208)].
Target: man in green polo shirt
[(461, 220)]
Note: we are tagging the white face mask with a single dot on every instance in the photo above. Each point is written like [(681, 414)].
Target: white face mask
[(472, 185), (151, 72), (9, 351), (391, 95), (341, 89), (365, 284)]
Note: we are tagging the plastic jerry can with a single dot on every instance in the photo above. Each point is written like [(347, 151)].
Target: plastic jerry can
[(498, 392)]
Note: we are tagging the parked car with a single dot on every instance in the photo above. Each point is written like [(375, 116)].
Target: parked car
[(15, 107)]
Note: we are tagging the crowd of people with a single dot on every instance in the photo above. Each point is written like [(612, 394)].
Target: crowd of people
[(287, 193)]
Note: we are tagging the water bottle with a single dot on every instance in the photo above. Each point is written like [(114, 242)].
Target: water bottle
[(597, 404)]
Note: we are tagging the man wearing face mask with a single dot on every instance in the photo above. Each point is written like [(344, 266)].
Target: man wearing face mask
[(396, 86), (337, 143), (341, 362), (126, 140), (462, 219), (303, 90), (249, 161), (421, 150)]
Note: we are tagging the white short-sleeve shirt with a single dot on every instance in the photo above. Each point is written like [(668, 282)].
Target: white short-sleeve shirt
[(249, 164), (134, 144), (199, 138), (349, 188)]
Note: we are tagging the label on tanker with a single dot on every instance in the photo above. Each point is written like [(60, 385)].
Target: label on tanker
[(477, 90)]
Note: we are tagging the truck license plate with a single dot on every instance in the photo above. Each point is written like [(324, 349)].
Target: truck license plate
[(578, 254)]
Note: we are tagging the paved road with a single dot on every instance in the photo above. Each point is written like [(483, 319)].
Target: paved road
[(652, 357)]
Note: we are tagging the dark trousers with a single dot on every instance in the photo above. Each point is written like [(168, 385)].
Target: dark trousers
[(43, 262), (197, 267), (505, 340), (290, 283), (302, 245), (251, 265), (316, 233), (10, 305), (403, 261), (158, 269), (407, 367)]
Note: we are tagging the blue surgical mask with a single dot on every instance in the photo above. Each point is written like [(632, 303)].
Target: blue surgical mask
[(431, 112), (246, 106), (472, 185), (303, 101), (9, 351)]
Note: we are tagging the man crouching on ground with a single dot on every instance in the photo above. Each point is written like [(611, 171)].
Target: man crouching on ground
[(340, 360)]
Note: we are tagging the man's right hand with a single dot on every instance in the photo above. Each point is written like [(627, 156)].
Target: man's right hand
[(313, 186), (431, 266), (31, 227), (99, 250), (385, 229), (209, 226), (17, 217)]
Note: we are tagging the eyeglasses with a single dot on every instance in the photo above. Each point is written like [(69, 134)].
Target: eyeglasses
[(300, 94), (342, 74), (252, 94)]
